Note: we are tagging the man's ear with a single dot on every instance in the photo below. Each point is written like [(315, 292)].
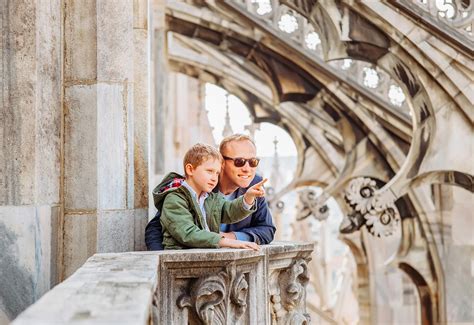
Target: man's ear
[(189, 169)]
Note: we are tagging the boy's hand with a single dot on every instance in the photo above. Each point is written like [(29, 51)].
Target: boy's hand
[(233, 243), (255, 191)]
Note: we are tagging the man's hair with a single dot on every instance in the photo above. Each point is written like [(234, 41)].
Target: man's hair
[(200, 153), (234, 138)]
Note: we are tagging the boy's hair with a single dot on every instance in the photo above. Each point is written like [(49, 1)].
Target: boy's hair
[(199, 153), (232, 138)]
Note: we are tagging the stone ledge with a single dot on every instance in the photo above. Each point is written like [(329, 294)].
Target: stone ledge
[(181, 286)]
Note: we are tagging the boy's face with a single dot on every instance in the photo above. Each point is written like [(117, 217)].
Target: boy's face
[(204, 177)]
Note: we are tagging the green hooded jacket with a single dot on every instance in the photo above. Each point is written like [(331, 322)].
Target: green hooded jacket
[(182, 220)]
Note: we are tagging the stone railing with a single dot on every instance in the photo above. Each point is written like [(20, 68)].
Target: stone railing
[(221, 286)]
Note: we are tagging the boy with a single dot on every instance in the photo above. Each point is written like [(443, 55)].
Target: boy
[(191, 213)]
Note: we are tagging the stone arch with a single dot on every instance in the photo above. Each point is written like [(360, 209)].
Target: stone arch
[(363, 283), (426, 296), (449, 177), (345, 36)]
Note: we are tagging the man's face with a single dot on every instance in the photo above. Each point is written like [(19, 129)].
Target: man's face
[(239, 176)]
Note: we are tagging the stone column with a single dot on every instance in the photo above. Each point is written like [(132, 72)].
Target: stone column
[(102, 52), (141, 69), (30, 144), (158, 97)]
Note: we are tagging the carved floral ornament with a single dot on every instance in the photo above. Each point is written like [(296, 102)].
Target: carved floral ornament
[(217, 298), (375, 210)]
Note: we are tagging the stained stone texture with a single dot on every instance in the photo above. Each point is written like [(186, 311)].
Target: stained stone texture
[(27, 256), (80, 240), (80, 26), (48, 104), (31, 103), (141, 220), (141, 103), (30, 143), (80, 179)]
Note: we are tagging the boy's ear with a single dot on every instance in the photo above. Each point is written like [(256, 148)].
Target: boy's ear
[(189, 169)]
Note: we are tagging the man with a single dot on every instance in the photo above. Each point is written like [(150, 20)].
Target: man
[(237, 175)]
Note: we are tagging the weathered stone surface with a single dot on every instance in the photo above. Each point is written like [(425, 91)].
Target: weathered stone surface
[(80, 240), (114, 35), (185, 276), (459, 284), (48, 103), (112, 288), (114, 150), (80, 28), (141, 220), (27, 276), (80, 180), (115, 231), (462, 222), (213, 286), (141, 128), (17, 153), (140, 14)]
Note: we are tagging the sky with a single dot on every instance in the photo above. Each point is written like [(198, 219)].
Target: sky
[(239, 118)]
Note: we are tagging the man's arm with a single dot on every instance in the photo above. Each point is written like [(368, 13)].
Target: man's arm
[(154, 234)]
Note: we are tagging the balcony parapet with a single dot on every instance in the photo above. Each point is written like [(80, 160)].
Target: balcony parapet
[(198, 286)]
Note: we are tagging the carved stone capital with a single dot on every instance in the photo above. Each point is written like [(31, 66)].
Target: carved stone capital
[(217, 298)]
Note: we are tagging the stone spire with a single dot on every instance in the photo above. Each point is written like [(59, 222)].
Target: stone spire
[(227, 127), (275, 177)]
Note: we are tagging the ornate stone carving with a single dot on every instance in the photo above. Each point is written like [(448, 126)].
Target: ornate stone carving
[(301, 29), (311, 204), (218, 298), (289, 297), (374, 209), (456, 14)]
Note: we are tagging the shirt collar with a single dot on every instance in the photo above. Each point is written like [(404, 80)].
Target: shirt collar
[(193, 192)]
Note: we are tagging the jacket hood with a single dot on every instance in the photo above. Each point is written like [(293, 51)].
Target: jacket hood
[(169, 182)]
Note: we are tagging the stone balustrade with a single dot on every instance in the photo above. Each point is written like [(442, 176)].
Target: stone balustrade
[(219, 286)]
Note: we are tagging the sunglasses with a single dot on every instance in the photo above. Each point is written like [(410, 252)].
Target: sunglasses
[(240, 162)]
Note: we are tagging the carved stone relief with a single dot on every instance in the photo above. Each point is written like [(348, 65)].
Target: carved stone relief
[(287, 294), (217, 298)]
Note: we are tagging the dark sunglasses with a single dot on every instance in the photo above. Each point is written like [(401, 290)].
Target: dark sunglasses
[(240, 162)]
